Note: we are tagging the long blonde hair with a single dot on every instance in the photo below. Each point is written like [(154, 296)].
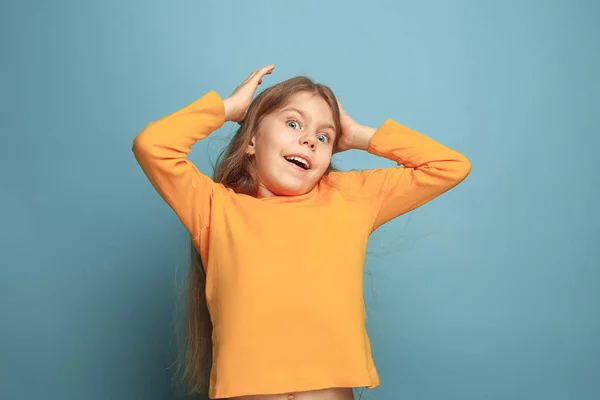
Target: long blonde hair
[(234, 169)]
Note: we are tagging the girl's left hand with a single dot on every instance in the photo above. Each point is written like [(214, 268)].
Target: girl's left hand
[(354, 135)]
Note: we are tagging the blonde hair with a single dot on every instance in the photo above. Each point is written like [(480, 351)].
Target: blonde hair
[(234, 169)]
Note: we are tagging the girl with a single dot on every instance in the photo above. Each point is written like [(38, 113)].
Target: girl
[(279, 237)]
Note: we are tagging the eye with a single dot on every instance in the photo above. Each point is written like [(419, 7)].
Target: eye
[(293, 124), (323, 138)]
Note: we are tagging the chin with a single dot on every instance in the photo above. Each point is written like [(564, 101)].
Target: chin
[(291, 190)]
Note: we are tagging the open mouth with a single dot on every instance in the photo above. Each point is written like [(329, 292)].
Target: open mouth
[(299, 161)]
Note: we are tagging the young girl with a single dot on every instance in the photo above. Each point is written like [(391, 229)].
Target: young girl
[(275, 303)]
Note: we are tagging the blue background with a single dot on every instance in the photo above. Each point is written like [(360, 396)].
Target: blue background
[(489, 292)]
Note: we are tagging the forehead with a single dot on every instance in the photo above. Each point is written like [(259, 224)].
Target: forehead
[(311, 104)]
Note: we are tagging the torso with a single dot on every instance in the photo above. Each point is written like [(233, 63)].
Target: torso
[(324, 394), (285, 296)]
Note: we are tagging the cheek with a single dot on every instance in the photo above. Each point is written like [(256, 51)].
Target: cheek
[(264, 146), (272, 142), (324, 160)]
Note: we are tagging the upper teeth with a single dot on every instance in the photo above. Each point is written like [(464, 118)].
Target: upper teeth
[(302, 160)]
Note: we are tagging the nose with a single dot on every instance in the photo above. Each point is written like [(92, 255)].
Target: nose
[(309, 141)]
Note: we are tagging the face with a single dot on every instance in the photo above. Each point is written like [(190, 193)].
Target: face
[(293, 146)]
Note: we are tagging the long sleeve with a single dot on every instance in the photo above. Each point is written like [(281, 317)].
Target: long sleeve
[(430, 169), (161, 150)]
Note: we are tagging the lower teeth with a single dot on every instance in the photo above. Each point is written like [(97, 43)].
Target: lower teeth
[(292, 162)]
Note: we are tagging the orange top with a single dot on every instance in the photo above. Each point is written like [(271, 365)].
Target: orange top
[(284, 275)]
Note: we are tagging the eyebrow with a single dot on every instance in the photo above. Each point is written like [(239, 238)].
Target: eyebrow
[(303, 114)]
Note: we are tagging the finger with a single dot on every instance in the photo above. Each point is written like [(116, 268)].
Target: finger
[(252, 75), (264, 71), (257, 74)]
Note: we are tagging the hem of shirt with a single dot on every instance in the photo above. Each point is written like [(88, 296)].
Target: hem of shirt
[(278, 390)]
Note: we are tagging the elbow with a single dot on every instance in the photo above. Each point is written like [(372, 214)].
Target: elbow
[(462, 168), (138, 144), (465, 166), (142, 143)]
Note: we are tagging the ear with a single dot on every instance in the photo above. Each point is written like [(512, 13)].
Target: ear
[(251, 149)]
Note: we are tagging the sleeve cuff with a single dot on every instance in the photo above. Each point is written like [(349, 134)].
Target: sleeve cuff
[(384, 135)]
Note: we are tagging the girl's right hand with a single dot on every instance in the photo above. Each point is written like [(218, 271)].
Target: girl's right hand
[(240, 99)]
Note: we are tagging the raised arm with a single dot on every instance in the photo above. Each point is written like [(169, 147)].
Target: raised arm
[(162, 148), (430, 168)]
